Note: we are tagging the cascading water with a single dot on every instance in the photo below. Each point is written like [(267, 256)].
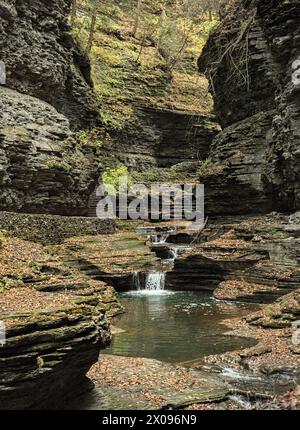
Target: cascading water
[(155, 281), (157, 238), (175, 252), (136, 281)]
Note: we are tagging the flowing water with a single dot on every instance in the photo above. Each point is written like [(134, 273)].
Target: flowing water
[(175, 327), (155, 281)]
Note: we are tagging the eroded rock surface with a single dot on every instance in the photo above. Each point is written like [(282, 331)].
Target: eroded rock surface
[(56, 324), (42, 59), (251, 258), (43, 168), (251, 61)]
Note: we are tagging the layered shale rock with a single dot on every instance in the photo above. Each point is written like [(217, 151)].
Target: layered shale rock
[(52, 228), (42, 59), (282, 32), (245, 259), (47, 354), (280, 314), (43, 168), (121, 260), (251, 60), (55, 321), (161, 137)]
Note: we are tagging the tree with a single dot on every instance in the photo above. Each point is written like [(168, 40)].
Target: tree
[(175, 29), (95, 10), (73, 12), (137, 18), (161, 24)]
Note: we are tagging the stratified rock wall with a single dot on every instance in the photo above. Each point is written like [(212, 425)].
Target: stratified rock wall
[(246, 258), (251, 61), (43, 60), (43, 168), (160, 137), (47, 355), (280, 23), (54, 321)]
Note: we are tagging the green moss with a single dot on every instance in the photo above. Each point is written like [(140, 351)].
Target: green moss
[(9, 283), (209, 124), (2, 239), (207, 168), (272, 231), (176, 174), (92, 138), (58, 164)]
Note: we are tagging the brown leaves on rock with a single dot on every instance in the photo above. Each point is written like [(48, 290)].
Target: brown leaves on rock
[(118, 253), (234, 289), (34, 278), (151, 379), (30, 300), (291, 400), (20, 258)]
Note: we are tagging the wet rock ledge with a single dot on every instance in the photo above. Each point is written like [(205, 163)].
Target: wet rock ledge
[(252, 258), (56, 324), (47, 355)]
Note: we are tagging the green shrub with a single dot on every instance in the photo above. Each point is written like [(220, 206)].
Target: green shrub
[(208, 167), (92, 138), (112, 176)]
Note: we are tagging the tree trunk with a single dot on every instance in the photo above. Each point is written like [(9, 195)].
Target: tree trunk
[(137, 18), (93, 27), (73, 12), (160, 27)]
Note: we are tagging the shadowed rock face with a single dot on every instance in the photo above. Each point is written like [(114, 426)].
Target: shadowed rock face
[(250, 61), (163, 138), (50, 362), (42, 58), (43, 168), (280, 22)]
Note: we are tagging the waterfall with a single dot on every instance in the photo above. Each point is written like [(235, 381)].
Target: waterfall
[(136, 281), (155, 281), (157, 238), (175, 252)]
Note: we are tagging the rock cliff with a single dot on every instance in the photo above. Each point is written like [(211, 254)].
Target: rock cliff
[(251, 61), (55, 320), (161, 138), (42, 59), (43, 168), (245, 258)]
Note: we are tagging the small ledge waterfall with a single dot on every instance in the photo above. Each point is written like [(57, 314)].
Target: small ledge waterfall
[(136, 281), (155, 281), (175, 252)]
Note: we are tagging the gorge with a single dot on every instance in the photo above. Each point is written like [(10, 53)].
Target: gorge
[(182, 320)]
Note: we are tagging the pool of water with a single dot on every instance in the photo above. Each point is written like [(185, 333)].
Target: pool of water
[(176, 327)]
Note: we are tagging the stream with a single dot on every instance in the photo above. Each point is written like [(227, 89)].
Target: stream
[(175, 327)]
